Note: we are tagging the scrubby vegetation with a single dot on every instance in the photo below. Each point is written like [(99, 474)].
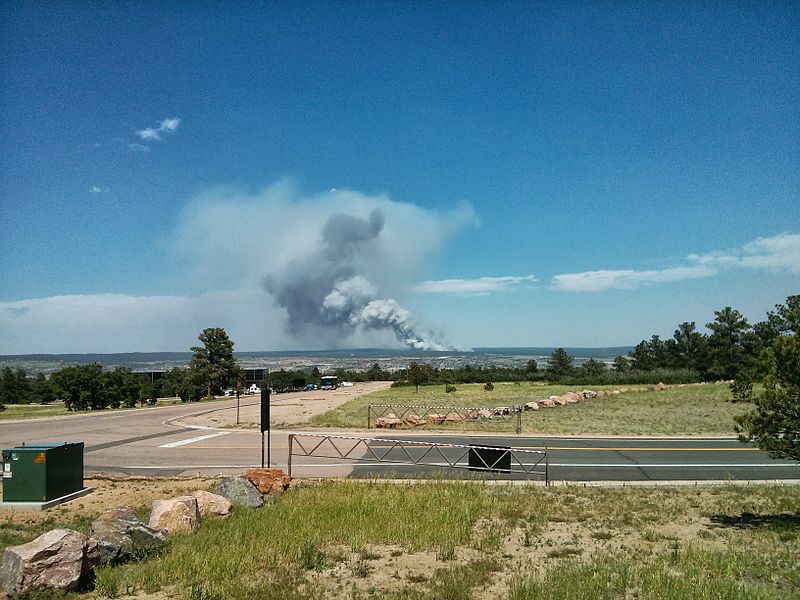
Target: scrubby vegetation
[(464, 540), (688, 409)]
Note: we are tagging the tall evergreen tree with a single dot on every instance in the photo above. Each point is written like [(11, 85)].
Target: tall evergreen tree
[(775, 423), (726, 344), (560, 364), (642, 357), (688, 347), (417, 374), (621, 364), (593, 368), (213, 362)]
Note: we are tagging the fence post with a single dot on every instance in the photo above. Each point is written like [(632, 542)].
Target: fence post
[(289, 466), (369, 416), (519, 419), (546, 467)]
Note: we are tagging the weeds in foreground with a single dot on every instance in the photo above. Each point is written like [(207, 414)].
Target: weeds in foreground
[(288, 550)]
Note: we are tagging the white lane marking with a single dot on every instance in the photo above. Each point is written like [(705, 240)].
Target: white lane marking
[(193, 440)]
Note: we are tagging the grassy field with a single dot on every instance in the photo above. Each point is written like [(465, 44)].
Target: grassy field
[(451, 540), (692, 409)]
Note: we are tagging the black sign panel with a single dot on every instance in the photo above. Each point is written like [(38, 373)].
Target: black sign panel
[(264, 409), (496, 460)]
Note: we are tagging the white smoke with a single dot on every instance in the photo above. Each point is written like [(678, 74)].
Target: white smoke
[(325, 290), (335, 264)]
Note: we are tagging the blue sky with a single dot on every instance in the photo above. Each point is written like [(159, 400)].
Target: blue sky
[(543, 173)]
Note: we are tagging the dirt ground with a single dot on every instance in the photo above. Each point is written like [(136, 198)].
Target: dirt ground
[(288, 409), (110, 493), (390, 568)]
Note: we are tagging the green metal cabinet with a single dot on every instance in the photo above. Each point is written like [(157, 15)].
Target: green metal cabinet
[(42, 471)]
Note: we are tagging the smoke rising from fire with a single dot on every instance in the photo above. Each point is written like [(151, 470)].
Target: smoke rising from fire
[(335, 266), (325, 290)]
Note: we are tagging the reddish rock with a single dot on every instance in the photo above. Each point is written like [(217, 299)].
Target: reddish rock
[(435, 419), (269, 481), (388, 422), (560, 400), (414, 421), (453, 417)]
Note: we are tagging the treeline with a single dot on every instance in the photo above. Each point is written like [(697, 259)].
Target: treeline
[(17, 388), (734, 348), (89, 387)]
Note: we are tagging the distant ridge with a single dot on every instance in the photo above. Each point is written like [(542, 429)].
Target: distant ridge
[(144, 357)]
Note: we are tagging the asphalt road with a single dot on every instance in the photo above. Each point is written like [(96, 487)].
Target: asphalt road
[(151, 441)]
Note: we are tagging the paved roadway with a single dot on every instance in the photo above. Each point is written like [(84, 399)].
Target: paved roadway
[(151, 441)]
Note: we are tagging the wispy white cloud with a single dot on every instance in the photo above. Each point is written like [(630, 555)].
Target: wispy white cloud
[(598, 281), (474, 287), (99, 189), (777, 253), (170, 124), (135, 147), (150, 134)]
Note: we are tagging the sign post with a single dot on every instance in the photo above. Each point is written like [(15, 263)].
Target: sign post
[(265, 424)]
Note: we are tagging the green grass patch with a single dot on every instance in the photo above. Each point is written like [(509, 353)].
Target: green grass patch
[(288, 550), (57, 409), (692, 409), (16, 532)]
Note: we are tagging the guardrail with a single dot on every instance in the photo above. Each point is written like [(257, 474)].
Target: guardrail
[(491, 459), (437, 415)]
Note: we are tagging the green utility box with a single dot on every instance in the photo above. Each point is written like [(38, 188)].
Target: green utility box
[(42, 471)]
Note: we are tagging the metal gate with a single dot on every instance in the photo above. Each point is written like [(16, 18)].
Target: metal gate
[(490, 459)]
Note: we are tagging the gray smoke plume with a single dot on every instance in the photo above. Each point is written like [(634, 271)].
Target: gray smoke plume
[(325, 293)]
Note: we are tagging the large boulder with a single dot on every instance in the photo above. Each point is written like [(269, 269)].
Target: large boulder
[(485, 413), (239, 491), (532, 405), (660, 386), (572, 397), (268, 481), (120, 533), (588, 394), (58, 559), (559, 400), (453, 417), (175, 514), (414, 421), (390, 421), (547, 403), (211, 504)]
